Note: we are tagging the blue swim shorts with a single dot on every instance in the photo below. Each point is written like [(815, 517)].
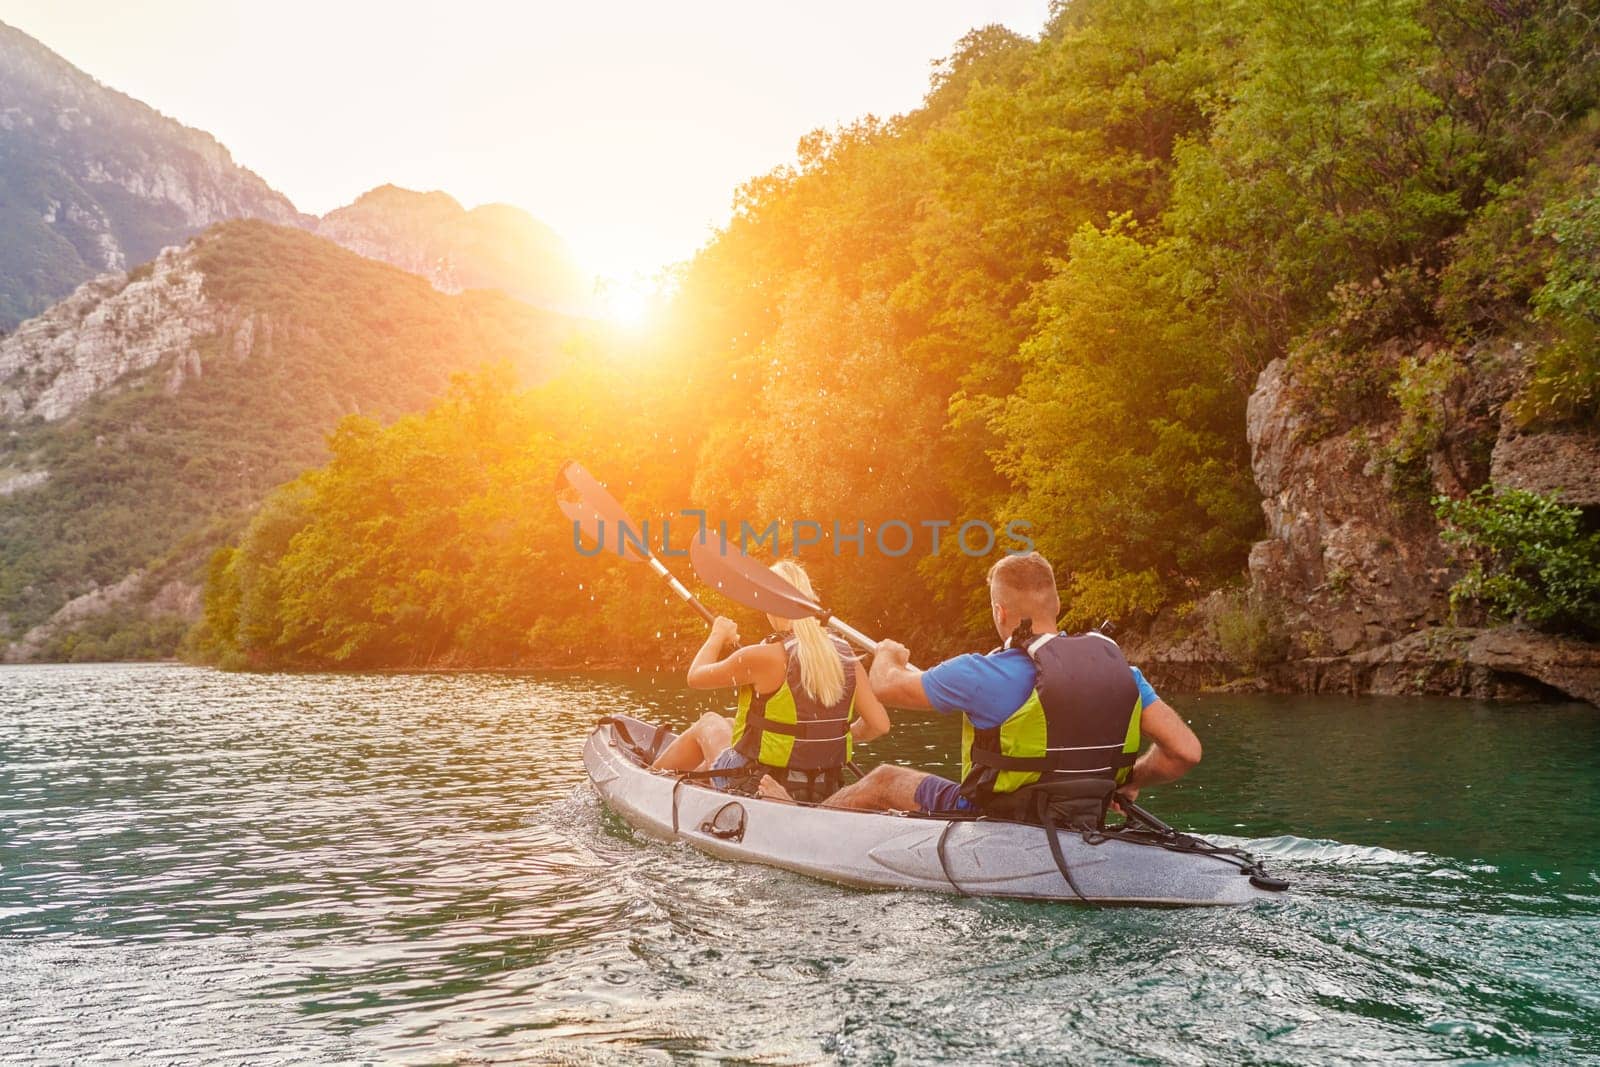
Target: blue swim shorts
[(731, 759), (939, 796)]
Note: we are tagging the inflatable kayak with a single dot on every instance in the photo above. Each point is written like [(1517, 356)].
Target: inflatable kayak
[(1138, 865)]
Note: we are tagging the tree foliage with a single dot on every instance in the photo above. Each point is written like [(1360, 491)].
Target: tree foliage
[(1043, 296), (1531, 558)]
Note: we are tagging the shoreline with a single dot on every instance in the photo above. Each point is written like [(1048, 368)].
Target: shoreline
[(1334, 676)]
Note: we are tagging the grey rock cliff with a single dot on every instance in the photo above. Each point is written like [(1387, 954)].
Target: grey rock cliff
[(1566, 464), (92, 180), (1350, 568), (113, 327), (176, 599), (1353, 571)]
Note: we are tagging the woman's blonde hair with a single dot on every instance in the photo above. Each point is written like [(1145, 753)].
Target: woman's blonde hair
[(821, 668)]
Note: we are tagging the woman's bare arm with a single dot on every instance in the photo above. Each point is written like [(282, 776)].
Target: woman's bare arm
[(762, 666), (874, 720)]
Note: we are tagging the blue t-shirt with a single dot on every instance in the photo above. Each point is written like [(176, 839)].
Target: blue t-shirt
[(989, 689)]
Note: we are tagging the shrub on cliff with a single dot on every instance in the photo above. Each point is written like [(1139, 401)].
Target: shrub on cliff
[(1530, 558), (1251, 634), (1566, 381)]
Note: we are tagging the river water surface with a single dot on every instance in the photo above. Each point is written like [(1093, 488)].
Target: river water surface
[(197, 866)]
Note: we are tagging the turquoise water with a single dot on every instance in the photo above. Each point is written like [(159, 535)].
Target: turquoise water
[(412, 868)]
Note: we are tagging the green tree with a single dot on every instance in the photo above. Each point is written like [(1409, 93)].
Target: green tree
[(1529, 558), (1123, 438)]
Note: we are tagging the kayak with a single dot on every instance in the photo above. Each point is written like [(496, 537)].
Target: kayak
[(1139, 865)]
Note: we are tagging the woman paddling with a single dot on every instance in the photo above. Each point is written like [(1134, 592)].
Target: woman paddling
[(803, 701)]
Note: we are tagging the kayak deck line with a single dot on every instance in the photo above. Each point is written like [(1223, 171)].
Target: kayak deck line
[(968, 855)]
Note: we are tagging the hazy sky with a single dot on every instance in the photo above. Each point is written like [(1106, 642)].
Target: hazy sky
[(626, 126)]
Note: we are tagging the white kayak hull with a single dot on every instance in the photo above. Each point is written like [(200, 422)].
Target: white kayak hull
[(980, 857)]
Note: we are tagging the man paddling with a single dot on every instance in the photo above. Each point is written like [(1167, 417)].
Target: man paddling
[(1046, 716)]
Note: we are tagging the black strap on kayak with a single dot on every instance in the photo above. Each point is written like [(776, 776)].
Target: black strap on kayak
[(1047, 816), (1061, 805), (677, 785), (624, 737), (944, 861), (645, 754)]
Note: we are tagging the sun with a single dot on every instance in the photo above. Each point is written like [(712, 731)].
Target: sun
[(627, 303)]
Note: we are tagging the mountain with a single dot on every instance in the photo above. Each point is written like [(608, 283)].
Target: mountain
[(494, 246), (166, 366), (92, 180), (143, 417)]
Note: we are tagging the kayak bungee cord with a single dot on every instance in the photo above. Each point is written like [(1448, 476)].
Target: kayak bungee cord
[(1174, 841)]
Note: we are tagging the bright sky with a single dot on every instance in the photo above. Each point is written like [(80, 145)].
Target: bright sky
[(624, 125)]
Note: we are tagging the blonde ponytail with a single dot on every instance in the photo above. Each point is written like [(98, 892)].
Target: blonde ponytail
[(821, 667)]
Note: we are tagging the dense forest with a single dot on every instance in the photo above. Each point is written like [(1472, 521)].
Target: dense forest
[(1045, 295)]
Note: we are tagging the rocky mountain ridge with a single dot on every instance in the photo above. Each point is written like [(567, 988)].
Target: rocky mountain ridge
[(110, 327), (92, 180), (493, 246), (144, 417)]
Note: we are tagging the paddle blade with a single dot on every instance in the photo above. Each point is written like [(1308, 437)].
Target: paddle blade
[(593, 495), (740, 578), (589, 526)]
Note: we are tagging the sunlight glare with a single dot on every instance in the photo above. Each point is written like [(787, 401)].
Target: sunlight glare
[(627, 303)]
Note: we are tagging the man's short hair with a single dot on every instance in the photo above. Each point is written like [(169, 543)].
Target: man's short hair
[(1029, 575)]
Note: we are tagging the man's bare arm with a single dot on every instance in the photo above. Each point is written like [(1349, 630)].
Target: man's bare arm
[(1174, 752), (896, 682)]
